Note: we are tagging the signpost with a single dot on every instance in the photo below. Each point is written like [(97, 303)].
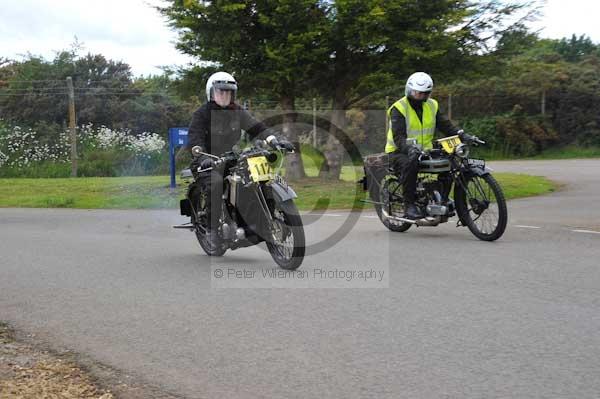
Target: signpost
[(178, 136)]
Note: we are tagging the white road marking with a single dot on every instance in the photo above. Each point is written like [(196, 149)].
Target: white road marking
[(371, 217), (586, 231), (523, 226)]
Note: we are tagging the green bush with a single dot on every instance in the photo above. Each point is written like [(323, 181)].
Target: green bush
[(514, 134)]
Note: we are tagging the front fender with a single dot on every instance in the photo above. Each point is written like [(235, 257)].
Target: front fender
[(476, 171), (281, 193)]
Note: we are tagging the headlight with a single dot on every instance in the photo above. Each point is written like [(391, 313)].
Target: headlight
[(462, 150)]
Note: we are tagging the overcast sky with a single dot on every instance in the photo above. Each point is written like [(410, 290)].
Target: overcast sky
[(132, 31)]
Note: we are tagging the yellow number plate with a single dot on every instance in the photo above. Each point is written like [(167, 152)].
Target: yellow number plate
[(260, 169), (449, 143)]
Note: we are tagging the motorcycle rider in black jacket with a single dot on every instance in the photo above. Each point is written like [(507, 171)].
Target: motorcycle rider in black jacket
[(216, 127)]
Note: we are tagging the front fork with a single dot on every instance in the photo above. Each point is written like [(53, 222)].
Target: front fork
[(470, 202)]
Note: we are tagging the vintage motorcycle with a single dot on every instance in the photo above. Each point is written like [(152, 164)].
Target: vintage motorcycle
[(478, 199), (258, 205)]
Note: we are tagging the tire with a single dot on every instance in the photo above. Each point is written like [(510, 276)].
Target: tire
[(379, 195), (210, 250), (200, 224), (484, 217), (290, 256)]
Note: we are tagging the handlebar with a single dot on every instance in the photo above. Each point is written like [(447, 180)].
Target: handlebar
[(470, 139), (234, 156), (476, 140)]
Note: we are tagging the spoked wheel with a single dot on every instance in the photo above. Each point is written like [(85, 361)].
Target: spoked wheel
[(287, 243), (390, 195), (482, 207), (200, 223)]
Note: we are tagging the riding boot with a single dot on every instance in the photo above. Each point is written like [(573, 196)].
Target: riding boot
[(412, 212)]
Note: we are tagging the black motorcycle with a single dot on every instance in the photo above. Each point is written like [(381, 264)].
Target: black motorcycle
[(478, 200), (258, 205)]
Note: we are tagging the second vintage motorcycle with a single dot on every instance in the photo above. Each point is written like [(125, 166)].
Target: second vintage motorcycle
[(477, 199)]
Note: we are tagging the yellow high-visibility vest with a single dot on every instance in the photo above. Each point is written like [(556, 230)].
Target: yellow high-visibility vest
[(421, 131)]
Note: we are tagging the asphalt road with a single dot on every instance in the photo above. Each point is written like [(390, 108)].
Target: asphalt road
[(450, 317)]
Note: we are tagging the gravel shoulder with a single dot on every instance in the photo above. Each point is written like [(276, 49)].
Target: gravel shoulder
[(30, 370)]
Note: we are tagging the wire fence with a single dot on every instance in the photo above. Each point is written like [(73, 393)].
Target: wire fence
[(365, 125), (456, 107)]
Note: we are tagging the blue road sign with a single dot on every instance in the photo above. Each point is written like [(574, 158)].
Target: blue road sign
[(178, 136)]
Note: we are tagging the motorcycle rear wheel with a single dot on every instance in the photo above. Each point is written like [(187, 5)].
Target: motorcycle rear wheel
[(384, 193)]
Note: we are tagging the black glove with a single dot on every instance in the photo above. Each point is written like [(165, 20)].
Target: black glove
[(206, 163), (464, 136), (280, 143), (467, 138), (283, 143), (413, 152)]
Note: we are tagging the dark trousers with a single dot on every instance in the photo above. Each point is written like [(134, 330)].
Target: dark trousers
[(407, 168), (212, 183)]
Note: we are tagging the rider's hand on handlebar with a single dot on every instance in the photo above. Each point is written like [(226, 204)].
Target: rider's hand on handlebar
[(414, 152), (279, 144), (473, 140), (286, 145), (477, 141), (206, 163), (464, 136)]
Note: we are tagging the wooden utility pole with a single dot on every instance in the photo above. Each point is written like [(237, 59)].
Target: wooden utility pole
[(387, 106), (314, 123), (72, 132), (543, 102)]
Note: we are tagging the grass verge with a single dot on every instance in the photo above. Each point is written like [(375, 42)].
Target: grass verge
[(569, 152), (152, 192)]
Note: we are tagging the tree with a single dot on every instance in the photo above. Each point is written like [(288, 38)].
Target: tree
[(343, 49), (158, 107), (35, 91), (33, 94), (576, 48), (375, 45), (515, 42), (265, 44)]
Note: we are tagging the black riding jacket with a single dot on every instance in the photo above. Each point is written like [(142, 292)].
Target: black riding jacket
[(218, 129)]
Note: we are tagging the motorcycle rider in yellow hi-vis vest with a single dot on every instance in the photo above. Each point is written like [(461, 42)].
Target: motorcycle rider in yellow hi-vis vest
[(415, 116)]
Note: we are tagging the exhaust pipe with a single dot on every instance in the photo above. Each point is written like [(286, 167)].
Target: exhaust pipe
[(426, 221), (368, 201)]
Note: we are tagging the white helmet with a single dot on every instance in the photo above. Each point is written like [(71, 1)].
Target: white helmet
[(418, 81), (220, 80)]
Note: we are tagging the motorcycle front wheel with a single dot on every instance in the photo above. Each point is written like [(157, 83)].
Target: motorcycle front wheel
[(481, 207), (287, 243)]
